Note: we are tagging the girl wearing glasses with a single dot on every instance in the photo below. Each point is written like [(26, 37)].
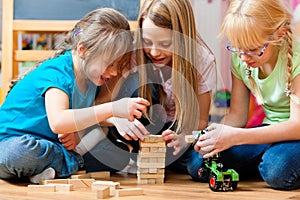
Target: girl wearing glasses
[(265, 61)]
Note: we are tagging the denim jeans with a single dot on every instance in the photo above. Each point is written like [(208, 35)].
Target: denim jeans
[(26, 156)]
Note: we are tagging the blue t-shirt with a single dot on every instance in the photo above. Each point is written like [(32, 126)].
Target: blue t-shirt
[(24, 112)]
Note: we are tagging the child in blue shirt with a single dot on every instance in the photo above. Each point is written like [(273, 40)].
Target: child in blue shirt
[(44, 110)]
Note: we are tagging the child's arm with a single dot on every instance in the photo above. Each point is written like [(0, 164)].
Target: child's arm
[(90, 139), (221, 137), (239, 104), (204, 101), (178, 141), (64, 120)]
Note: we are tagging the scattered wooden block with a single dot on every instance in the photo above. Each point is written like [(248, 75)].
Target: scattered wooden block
[(41, 188), (80, 172), (54, 181), (112, 186), (129, 192), (63, 187), (105, 175), (80, 176), (81, 183), (103, 192)]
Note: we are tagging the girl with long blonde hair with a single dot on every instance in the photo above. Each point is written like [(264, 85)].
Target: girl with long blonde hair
[(265, 61)]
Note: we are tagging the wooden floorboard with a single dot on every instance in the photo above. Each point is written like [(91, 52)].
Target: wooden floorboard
[(176, 186)]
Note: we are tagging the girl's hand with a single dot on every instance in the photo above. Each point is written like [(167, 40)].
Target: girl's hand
[(218, 138), (174, 140), (69, 140), (130, 130), (130, 108)]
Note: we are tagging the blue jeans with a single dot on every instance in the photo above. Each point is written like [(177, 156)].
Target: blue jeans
[(26, 156)]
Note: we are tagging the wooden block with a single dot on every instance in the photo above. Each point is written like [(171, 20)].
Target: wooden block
[(152, 154), (80, 172), (81, 183), (158, 149), (160, 160), (154, 160), (41, 188), (159, 181), (54, 181), (154, 176), (142, 181), (63, 187), (152, 144), (143, 170), (189, 139), (145, 149), (156, 138), (152, 170), (103, 192), (112, 186), (162, 149), (153, 138), (151, 180), (105, 175), (129, 192), (80, 176), (151, 165), (143, 160)]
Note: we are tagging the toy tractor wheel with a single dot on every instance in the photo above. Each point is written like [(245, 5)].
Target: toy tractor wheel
[(203, 173), (213, 183), (234, 184)]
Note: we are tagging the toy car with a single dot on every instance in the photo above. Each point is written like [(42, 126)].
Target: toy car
[(218, 176)]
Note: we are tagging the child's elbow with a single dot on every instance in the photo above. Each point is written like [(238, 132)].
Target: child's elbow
[(56, 127)]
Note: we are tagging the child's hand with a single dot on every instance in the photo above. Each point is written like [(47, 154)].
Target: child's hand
[(130, 108), (130, 130), (68, 140), (173, 140), (218, 138)]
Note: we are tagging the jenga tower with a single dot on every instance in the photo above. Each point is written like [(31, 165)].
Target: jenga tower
[(151, 160)]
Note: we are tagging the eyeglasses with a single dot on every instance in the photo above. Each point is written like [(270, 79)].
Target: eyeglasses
[(250, 53)]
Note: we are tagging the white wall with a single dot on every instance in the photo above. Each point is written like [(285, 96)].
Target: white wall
[(209, 16)]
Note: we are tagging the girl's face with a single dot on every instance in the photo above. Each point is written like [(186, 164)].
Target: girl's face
[(267, 58), (157, 43), (101, 70)]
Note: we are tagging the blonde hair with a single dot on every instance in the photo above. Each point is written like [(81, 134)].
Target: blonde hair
[(101, 31), (178, 16), (247, 25)]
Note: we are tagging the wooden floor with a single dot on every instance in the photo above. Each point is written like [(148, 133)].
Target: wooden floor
[(176, 186)]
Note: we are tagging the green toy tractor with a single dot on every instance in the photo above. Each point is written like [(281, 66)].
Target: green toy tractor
[(219, 178)]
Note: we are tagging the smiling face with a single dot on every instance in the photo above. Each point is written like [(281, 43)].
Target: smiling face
[(157, 43), (100, 70)]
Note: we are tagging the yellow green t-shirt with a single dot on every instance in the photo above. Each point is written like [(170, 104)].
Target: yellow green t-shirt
[(276, 104)]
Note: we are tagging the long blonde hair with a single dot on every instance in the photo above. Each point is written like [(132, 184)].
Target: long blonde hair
[(178, 16), (249, 22)]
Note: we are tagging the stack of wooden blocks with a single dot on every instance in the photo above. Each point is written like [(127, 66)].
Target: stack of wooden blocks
[(151, 160)]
